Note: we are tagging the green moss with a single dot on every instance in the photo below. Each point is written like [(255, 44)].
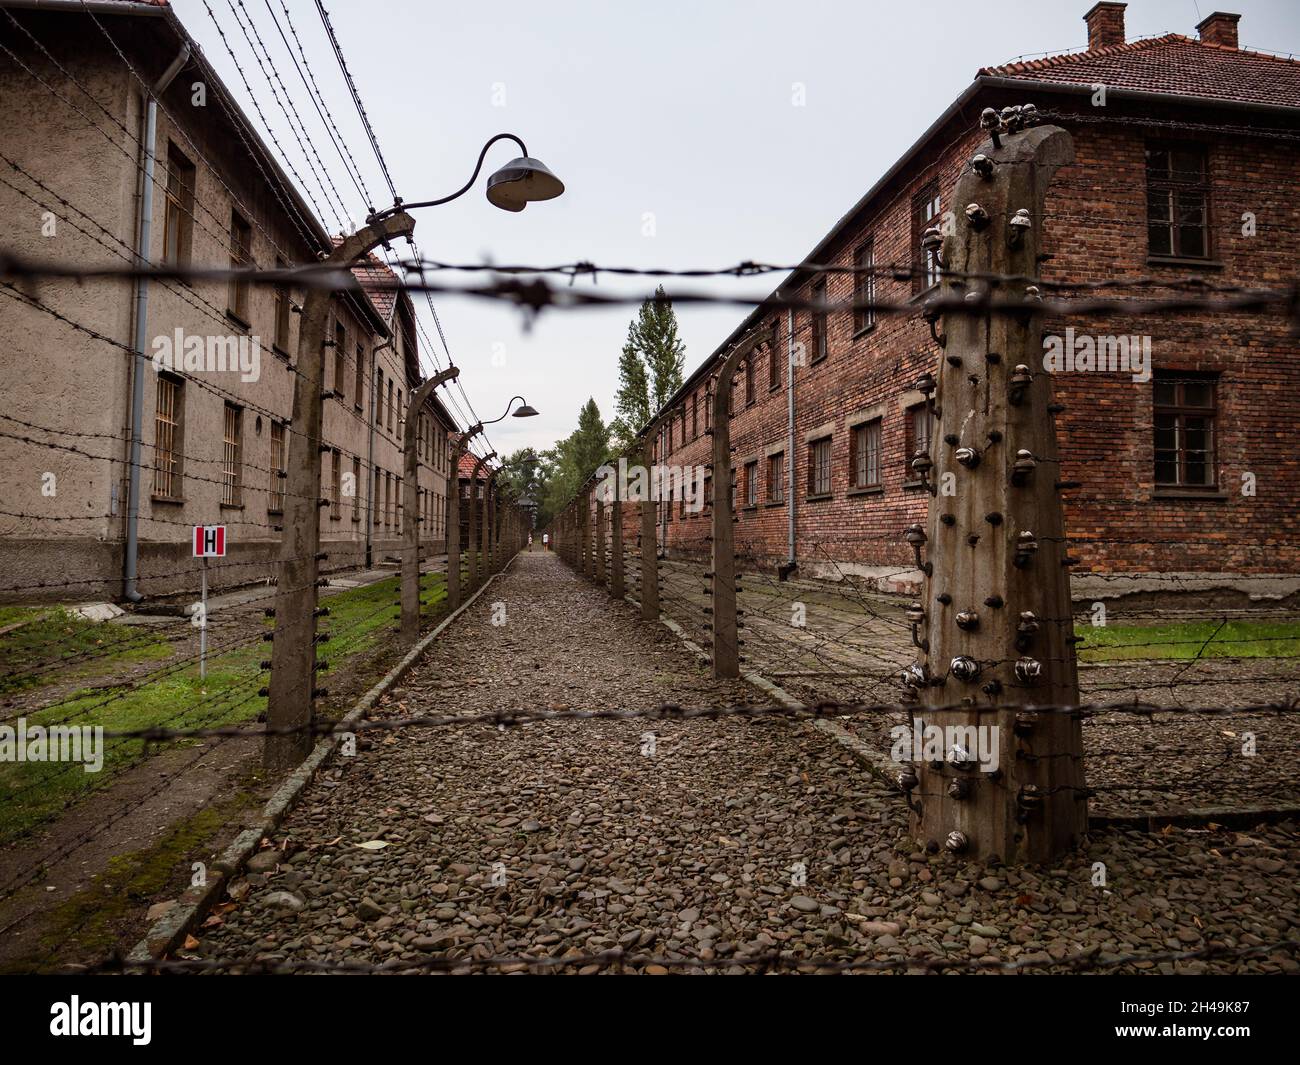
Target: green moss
[(1206, 639), (92, 919)]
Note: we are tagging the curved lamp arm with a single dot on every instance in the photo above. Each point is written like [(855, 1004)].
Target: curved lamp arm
[(399, 206)]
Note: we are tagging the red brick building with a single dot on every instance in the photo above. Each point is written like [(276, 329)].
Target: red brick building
[(1186, 171)]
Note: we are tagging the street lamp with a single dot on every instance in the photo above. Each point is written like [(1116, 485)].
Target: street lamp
[(524, 411), (293, 655), (517, 184)]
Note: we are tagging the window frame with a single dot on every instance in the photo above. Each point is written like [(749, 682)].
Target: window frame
[(1171, 185), (776, 478), (927, 267), (871, 434), (818, 338), (232, 455), (239, 290), (1180, 410), (864, 287), (820, 459), (174, 422)]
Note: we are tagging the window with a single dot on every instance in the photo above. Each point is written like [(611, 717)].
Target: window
[(708, 490), (925, 214), (336, 485), (819, 467), (864, 455), (864, 287), (749, 380), (282, 309), (1178, 194), (776, 478), (398, 509), (241, 255), (818, 323), (167, 438), (917, 437), (376, 488), (751, 484), (276, 475), (684, 437), (1185, 412), (379, 398), (356, 489), (340, 359), (359, 382), (774, 359), (668, 429), (178, 223), (708, 407), (232, 456), (389, 402), (695, 415)]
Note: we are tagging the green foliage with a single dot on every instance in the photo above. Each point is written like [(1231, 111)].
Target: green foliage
[(573, 460)]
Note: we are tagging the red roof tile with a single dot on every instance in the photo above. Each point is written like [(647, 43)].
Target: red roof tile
[(1170, 64), (372, 274), (467, 463)]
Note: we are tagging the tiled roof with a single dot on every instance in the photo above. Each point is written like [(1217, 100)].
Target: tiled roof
[(467, 463), (1170, 64), (372, 274)]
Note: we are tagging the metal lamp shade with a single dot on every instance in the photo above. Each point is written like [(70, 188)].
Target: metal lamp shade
[(521, 181), (525, 411)]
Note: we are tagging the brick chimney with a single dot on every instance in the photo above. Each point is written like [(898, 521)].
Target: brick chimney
[(1106, 25), (1219, 28)]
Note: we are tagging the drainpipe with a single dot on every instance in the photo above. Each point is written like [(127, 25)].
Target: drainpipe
[(790, 562), (131, 575)]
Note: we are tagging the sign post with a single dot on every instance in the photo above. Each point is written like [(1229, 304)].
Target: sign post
[(209, 542)]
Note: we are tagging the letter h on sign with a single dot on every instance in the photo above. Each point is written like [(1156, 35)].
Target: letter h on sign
[(209, 541)]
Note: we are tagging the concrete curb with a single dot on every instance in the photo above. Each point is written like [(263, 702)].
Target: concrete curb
[(172, 927)]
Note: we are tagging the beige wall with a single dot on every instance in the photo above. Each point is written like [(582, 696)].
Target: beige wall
[(62, 379)]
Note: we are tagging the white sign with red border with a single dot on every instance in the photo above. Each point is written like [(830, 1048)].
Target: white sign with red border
[(209, 541)]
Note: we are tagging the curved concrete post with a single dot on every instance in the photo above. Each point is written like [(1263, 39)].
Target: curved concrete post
[(453, 524), (485, 533), (616, 547), (471, 533), (293, 649), (411, 505)]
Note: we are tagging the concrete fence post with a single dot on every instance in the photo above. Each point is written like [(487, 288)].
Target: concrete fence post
[(995, 625), (726, 649)]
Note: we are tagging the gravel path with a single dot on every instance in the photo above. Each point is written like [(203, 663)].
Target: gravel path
[(705, 840)]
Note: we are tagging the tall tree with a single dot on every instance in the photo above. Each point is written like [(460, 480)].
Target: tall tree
[(654, 336), (574, 459), (632, 404)]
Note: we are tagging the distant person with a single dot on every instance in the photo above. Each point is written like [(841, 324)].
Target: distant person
[(546, 541)]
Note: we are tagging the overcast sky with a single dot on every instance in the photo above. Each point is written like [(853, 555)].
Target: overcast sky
[(676, 127)]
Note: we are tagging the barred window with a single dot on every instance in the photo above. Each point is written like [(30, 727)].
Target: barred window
[(178, 222), (751, 484), (864, 287), (925, 215), (864, 454), (776, 478), (818, 323), (359, 380), (1178, 195), (774, 358), (340, 359), (282, 310), (336, 485), (356, 489), (1184, 430), (241, 255), (167, 438), (276, 475), (232, 442), (819, 467), (918, 437)]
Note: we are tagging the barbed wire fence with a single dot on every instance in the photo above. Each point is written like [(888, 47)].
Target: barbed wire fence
[(843, 655)]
